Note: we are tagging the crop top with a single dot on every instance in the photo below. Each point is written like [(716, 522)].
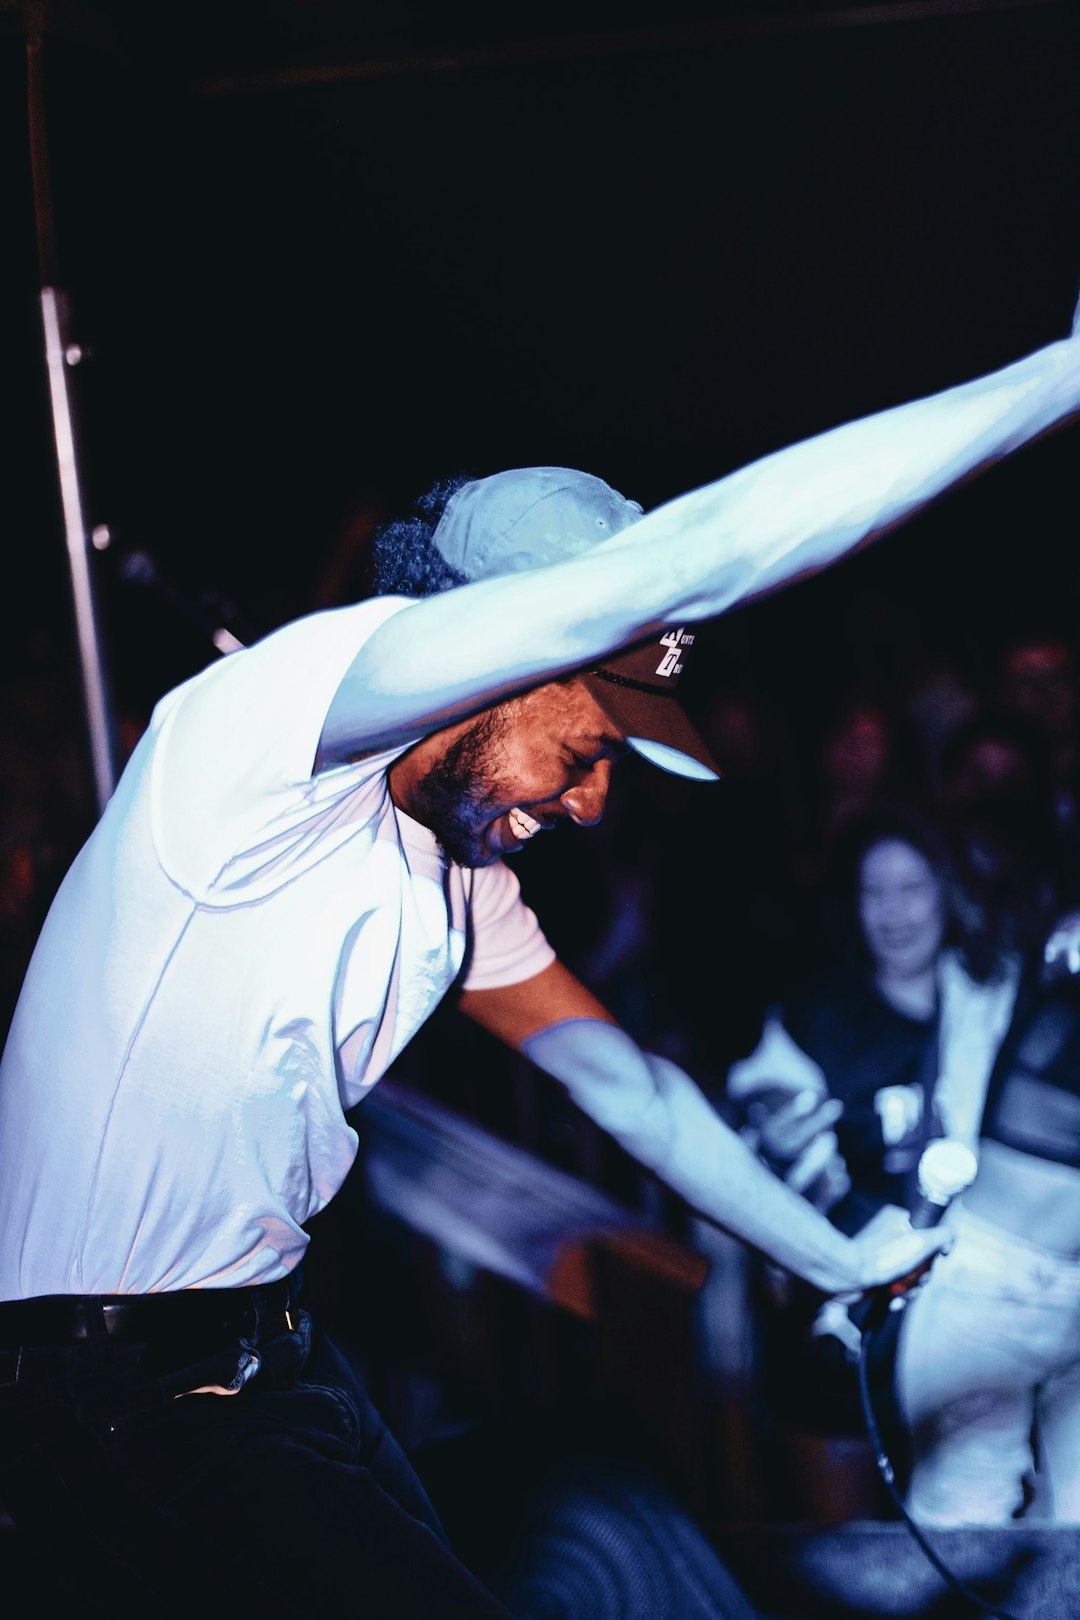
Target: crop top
[(1033, 1098)]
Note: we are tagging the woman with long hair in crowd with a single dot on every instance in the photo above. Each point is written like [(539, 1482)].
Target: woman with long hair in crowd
[(892, 1046)]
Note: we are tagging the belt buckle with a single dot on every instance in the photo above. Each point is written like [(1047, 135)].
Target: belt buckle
[(112, 1320)]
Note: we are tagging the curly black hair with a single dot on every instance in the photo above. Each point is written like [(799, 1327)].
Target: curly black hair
[(405, 561)]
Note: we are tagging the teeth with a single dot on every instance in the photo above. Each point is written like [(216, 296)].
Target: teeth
[(521, 825)]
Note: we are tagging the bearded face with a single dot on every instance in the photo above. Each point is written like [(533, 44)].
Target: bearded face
[(488, 785)]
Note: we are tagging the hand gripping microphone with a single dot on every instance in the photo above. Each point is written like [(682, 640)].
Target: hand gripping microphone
[(946, 1168)]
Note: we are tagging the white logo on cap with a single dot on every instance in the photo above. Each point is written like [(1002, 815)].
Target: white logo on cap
[(673, 640)]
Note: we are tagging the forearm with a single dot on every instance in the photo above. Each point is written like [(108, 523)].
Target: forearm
[(660, 1117), (787, 515), (800, 509), (720, 1176)]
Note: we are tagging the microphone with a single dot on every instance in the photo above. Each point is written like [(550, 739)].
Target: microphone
[(947, 1167)]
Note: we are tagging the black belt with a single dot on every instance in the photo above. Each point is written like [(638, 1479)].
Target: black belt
[(55, 1320)]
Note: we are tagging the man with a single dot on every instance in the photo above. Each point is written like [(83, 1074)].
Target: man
[(305, 852)]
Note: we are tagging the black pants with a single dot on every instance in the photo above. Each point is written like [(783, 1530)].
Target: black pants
[(288, 1497)]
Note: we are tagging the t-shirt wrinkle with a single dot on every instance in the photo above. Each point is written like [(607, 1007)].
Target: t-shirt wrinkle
[(122, 1070), (240, 955)]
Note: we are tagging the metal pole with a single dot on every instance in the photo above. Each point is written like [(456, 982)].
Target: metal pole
[(61, 354)]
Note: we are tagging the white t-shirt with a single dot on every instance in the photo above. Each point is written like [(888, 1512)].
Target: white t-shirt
[(235, 957)]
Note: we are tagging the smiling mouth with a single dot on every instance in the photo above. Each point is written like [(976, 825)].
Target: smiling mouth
[(522, 825)]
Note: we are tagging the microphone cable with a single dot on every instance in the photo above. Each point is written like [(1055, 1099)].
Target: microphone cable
[(885, 1469), (946, 1167)]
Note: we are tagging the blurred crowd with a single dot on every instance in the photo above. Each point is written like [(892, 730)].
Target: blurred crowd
[(856, 950)]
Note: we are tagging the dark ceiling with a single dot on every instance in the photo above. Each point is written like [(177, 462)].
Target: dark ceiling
[(326, 253)]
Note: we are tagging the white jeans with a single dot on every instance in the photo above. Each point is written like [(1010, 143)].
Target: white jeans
[(989, 1357)]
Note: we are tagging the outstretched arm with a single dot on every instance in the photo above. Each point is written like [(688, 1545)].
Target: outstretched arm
[(662, 1118), (777, 520)]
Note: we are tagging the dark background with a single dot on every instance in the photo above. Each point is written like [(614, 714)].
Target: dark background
[(325, 253)]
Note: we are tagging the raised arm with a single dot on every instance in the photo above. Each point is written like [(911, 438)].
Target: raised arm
[(664, 1120), (762, 527)]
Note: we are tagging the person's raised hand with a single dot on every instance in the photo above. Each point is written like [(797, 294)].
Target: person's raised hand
[(1061, 952), (820, 1173), (787, 1125)]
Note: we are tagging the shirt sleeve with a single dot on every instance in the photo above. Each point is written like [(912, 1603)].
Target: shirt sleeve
[(234, 750), (506, 942)]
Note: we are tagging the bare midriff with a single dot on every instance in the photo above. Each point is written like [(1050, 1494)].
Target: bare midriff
[(1035, 1199)]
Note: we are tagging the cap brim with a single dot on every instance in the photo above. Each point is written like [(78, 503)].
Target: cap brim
[(673, 760), (658, 728)]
